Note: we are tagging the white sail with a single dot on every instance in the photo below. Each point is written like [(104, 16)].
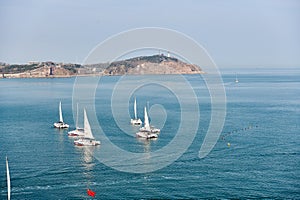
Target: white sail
[(87, 127), (135, 115), (8, 180), (146, 122), (60, 113)]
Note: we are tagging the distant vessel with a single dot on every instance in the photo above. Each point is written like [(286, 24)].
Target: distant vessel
[(136, 121), (145, 131), (236, 79), (78, 131), (88, 138), (8, 180), (60, 123)]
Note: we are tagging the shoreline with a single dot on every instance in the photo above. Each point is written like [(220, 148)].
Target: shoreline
[(17, 76)]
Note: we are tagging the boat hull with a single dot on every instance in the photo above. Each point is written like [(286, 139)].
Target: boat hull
[(60, 125), (76, 133), (86, 142), (147, 135), (152, 130), (136, 122)]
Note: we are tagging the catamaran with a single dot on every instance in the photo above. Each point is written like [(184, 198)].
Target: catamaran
[(136, 121), (8, 180), (145, 131), (60, 123), (88, 138), (78, 132)]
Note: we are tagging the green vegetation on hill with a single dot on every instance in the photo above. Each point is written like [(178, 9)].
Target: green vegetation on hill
[(72, 67), (14, 68), (132, 62), (11, 69), (153, 59), (155, 64)]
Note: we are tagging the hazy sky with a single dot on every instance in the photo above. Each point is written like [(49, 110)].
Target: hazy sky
[(234, 32)]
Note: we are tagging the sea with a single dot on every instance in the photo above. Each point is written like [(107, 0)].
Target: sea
[(256, 155)]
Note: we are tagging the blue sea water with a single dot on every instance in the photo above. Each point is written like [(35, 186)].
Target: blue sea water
[(262, 126)]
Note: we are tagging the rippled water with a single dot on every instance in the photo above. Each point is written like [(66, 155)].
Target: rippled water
[(262, 127)]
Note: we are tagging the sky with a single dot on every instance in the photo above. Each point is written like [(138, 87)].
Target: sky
[(234, 33)]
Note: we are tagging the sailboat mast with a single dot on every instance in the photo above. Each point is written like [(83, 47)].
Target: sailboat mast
[(8, 180), (135, 114)]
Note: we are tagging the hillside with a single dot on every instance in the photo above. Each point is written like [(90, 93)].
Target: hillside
[(156, 64), (38, 70)]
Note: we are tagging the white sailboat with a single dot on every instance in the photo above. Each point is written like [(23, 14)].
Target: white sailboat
[(78, 132), (145, 131), (136, 121), (8, 180), (236, 79), (88, 138), (60, 123), (147, 126)]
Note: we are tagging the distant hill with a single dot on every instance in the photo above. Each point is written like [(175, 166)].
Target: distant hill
[(38, 69), (156, 64)]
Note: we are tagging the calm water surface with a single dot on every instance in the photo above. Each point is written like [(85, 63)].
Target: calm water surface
[(262, 126)]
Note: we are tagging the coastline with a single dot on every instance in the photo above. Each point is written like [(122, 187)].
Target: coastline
[(19, 76), (143, 65)]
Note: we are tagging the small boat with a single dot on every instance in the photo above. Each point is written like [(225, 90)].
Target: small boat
[(8, 180), (78, 132), (60, 123), (88, 138), (145, 131), (136, 121), (236, 79)]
